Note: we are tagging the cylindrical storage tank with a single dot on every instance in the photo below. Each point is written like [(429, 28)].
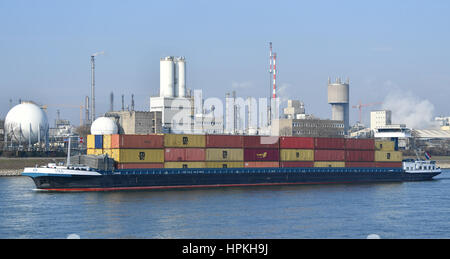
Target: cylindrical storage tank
[(261, 164), (297, 142), (104, 126), (166, 77), (181, 65), (261, 154), (296, 164), (329, 155), (25, 123)]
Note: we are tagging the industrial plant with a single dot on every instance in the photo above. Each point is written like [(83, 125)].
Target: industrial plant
[(179, 109)]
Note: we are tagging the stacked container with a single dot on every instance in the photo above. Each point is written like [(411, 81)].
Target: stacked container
[(95, 144), (296, 152), (224, 151), (135, 151), (184, 151), (360, 153), (329, 152), (386, 156), (260, 151)]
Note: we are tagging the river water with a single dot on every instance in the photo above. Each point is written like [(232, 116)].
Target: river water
[(388, 210)]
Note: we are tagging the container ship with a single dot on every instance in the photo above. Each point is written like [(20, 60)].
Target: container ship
[(169, 161)]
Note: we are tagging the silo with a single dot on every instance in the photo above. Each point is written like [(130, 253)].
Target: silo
[(181, 65), (338, 97), (166, 77)]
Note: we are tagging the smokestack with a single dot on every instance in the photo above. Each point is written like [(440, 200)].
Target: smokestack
[(132, 102), (111, 102), (86, 109), (123, 102), (92, 88)]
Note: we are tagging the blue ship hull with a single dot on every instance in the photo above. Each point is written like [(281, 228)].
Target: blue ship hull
[(142, 179)]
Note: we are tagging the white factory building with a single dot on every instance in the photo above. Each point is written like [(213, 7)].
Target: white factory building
[(182, 112)]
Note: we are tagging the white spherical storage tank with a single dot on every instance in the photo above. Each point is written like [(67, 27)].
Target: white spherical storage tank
[(104, 126), (26, 123)]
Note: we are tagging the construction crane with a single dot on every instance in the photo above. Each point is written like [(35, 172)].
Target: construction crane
[(81, 107), (360, 106)]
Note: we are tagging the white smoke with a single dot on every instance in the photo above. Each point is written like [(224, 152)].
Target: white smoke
[(408, 109)]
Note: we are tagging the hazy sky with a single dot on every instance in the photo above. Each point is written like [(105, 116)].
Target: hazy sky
[(382, 46)]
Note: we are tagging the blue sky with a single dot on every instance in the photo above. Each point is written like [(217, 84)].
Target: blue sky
[(401, 45)]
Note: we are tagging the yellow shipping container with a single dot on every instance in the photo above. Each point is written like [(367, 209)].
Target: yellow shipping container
[(297, 155), (224, 164), (224, 154), (94, 151), (107, 151), (183, 140), (106, 141), (184, 165), (90, 141), (138, 155), (329, 164), (384, 145), (388, 156)]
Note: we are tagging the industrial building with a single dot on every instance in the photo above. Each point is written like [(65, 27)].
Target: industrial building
[(173, 101), (137, 122)]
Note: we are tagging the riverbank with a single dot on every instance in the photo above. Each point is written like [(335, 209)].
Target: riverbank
[(14, 166)]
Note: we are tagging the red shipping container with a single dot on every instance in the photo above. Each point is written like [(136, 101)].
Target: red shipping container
[(359, 164), (297, 164), (184, 154), (329, 155), (359, 155), (388, 164), (261, 164), (137, 141), (261, 154), (297, 142), (329, 143), (139, 165), (261, 142), (360, 144), (224, 141)]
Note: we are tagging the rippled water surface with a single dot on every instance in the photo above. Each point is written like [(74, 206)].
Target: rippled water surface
[(398, 210)]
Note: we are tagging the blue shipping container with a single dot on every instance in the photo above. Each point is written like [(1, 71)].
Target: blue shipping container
[(98, 141)]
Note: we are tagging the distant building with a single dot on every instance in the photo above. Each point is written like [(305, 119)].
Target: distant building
[(137, 122), (311, 127), (379, 119), (294, 108)]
